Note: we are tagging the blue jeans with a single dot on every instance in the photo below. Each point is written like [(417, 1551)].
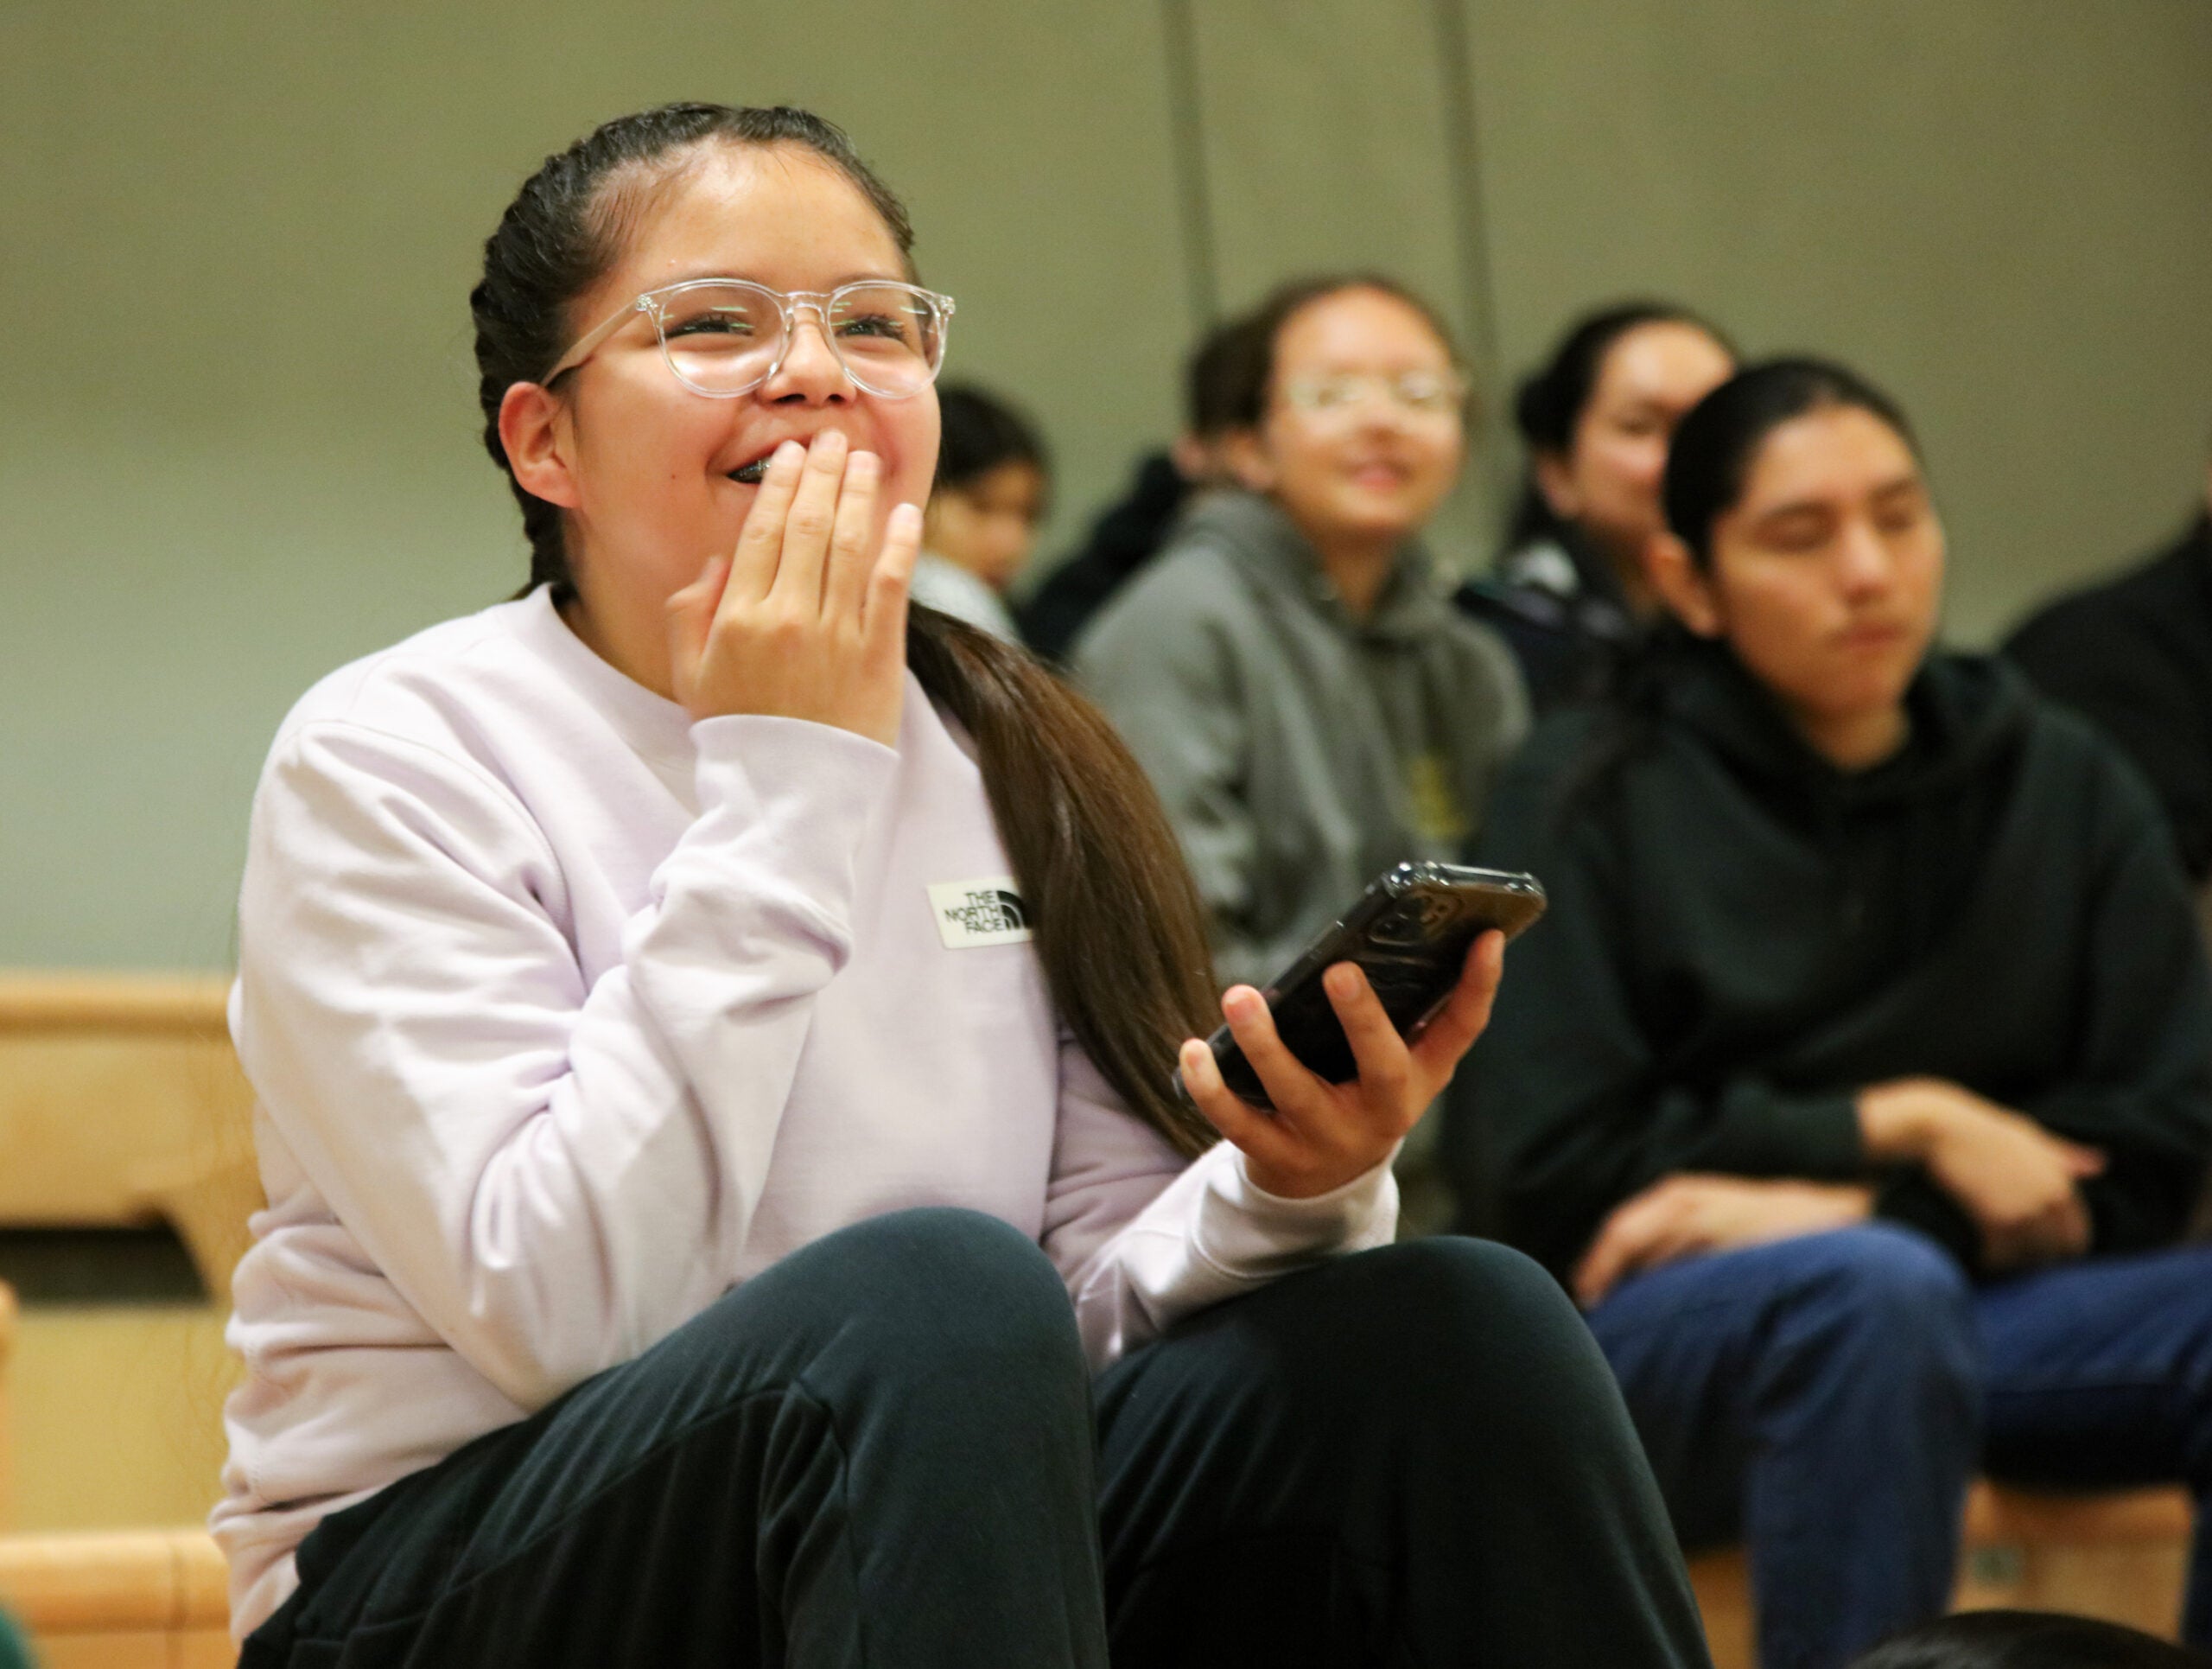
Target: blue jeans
[(1827, 1400)]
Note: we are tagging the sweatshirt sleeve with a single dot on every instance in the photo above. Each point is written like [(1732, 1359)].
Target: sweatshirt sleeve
[(1563, 1110), (553, 1174), (1143, 1238), (2141, 1087), (1168, 680)]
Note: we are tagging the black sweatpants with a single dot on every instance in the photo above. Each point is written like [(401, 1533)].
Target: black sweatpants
[(881, 1451)]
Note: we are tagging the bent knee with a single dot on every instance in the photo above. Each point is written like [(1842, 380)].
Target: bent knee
[(1442, 1297), (1885, 1308), (1887, 1274), (941, 1283)]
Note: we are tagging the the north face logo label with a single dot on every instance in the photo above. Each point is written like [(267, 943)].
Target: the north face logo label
[(985, 911)]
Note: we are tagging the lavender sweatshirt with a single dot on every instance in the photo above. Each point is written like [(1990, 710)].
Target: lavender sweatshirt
[(565, 1014)]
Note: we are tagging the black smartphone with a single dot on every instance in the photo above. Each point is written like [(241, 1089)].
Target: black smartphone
[(1410, 932)]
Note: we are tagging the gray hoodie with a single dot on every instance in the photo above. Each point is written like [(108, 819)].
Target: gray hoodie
[(1300, 752)]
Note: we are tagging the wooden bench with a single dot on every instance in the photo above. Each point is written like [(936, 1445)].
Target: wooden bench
[(2120, 1557), (119, 1599), (122, 1104)]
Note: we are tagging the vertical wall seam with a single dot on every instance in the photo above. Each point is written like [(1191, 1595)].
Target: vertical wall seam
[(1193, 198), (1455, 67)]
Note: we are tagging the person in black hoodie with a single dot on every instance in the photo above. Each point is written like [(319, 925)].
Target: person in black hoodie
[(1859, 1080), (2134, 654)]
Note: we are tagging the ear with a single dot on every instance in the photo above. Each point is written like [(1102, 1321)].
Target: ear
[(1250, 463), (1683, 586), (534, 428), (1195, 460), (1556, 482)]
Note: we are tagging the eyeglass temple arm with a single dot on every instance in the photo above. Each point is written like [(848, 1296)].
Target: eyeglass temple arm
[(582, 348)]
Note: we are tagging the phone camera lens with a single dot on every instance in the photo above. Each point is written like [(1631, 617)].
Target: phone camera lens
[(1402, 923)]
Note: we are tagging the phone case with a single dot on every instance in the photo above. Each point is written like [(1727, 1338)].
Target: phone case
[(1410, 932)]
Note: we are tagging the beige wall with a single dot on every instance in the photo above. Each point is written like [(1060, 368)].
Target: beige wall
[(2001, 209), (237, 435)]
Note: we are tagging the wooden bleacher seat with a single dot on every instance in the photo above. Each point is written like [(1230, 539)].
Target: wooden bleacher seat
[(121, 1104), (120, 1599), (111, 1599), (6, 1427), (2120, 1556)]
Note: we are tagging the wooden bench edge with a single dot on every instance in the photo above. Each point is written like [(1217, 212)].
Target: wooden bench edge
[(88, 1581), (91, 1001)]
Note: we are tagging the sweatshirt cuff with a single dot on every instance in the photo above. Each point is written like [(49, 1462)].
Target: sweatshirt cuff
[(1768, 1133), (1249, 1234)]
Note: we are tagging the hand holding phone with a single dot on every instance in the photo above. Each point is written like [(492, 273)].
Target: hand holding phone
[(1317, 1133), (1410, 932)]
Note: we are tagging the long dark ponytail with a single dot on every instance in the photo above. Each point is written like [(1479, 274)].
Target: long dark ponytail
[(1119, 927)]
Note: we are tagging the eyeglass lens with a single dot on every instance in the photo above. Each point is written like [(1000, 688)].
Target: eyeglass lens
[(723, 339), (1413, 390)]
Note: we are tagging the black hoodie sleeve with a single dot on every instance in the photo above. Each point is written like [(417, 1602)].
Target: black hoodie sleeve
[(2139, 1086), (1560, 1113), (2141, 1089)]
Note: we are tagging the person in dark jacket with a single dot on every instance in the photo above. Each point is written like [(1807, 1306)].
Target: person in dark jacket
[(2134, 655), (1568, 592), (1220, 383), (1859, 1080)]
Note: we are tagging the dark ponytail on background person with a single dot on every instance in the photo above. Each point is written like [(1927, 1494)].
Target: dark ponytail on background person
[(1118, 925), (1548, 405)]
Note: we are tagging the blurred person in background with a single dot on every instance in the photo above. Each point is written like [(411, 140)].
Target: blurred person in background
[(1569, 592), (1217, 382), (993, 482), (2134, 655), (1289, 670), (1857, 1080)]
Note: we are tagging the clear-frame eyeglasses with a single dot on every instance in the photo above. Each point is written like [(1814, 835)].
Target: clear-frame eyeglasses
[(1420, 394), (724, 337)]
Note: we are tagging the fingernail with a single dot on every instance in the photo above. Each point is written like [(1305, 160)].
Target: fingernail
[(906, 520), (789, 453), (1343, 980), (862, 463)]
